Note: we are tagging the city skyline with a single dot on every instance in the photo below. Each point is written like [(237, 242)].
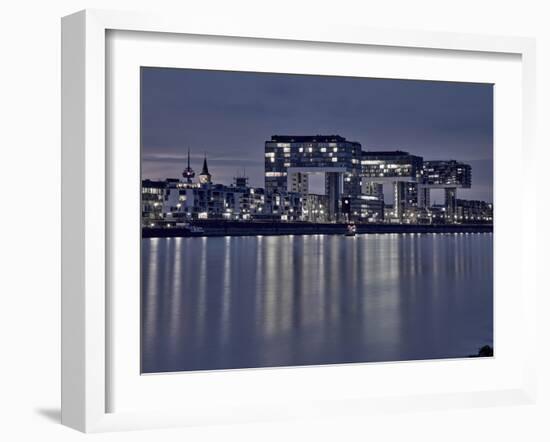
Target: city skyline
[(440, 120), (294, 220)]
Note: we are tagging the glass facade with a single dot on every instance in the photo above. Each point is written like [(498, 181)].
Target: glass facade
[(447, 173), (304, 152), (387, 165)]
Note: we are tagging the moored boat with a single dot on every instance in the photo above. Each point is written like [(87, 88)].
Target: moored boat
[(351, 230)]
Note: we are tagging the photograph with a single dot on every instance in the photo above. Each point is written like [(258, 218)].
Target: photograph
[(295, 220)]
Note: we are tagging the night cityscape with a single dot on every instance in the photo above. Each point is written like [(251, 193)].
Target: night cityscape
[(292, 220), (354, 182)]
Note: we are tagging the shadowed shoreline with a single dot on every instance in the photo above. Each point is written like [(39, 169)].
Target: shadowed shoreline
[(243, 228)]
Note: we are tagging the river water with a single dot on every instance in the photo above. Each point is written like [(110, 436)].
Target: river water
[(238, 302)]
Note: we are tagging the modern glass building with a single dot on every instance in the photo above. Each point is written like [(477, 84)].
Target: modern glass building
[(290, 159), (359, 176), (391, 166), (448, 175), (400, 169)]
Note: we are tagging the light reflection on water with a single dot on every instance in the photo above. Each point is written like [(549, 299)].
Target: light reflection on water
[(235, 302)]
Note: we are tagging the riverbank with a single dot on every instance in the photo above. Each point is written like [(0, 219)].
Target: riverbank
[(240, 228)]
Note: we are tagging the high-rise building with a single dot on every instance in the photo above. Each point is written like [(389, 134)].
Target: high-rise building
[(152, 201), (400, 169), (448, 175), (290, 159)]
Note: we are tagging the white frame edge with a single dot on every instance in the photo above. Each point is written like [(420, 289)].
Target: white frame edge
[(84, 347), (83, 237)]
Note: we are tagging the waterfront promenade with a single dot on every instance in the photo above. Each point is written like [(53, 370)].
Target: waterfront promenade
[(251, 228)]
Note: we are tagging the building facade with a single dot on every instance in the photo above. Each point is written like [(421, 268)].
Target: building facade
[(290, 159), (354, 183), (399, 169), (449, 175)]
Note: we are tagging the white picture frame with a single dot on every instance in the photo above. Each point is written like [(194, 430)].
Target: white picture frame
[(86, 315)]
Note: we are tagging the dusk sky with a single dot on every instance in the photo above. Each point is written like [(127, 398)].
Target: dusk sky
[(229, 116)]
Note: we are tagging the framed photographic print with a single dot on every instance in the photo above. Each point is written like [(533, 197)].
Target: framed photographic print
[(265, 223)]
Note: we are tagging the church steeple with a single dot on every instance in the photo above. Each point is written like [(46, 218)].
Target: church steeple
[(205, 167), (205, 177)]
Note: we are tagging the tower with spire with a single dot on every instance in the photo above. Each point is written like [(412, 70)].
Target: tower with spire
[(188, 173), (205, 177)]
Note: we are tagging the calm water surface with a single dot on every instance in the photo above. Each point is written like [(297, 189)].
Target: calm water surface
[(235, 302)]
